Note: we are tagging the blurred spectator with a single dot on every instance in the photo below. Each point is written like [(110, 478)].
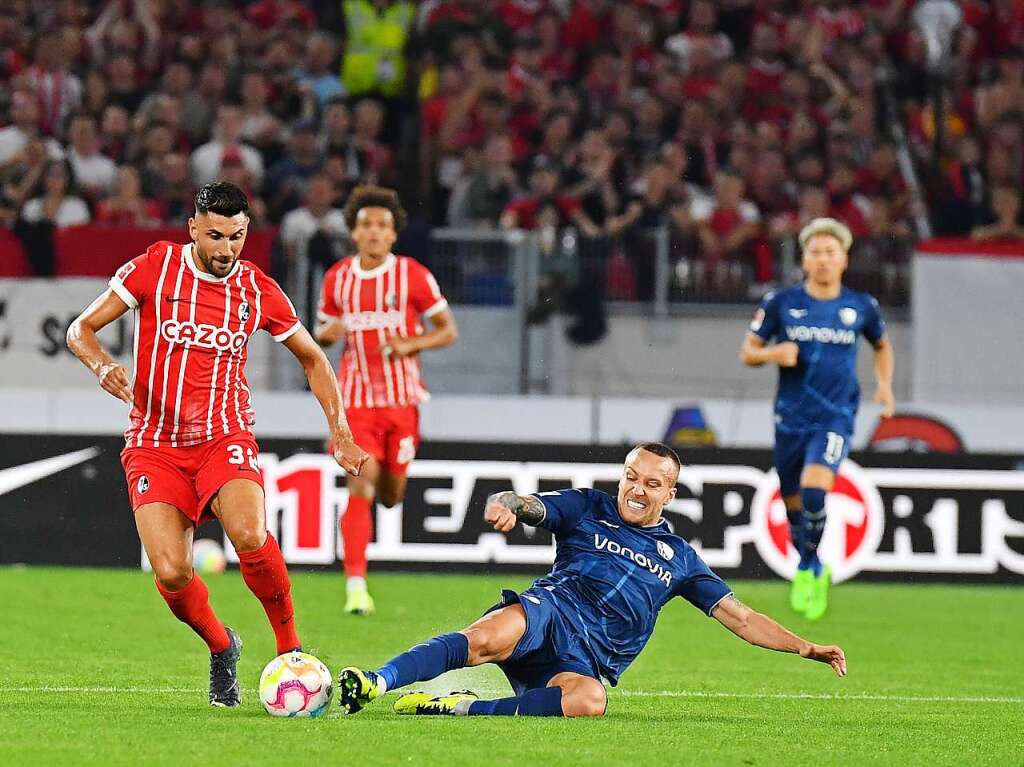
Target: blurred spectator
[(653, 205), (260, 127), (199, 107), (521, 213), (58, 204), (58, 91), (94, 172), (286, 180), (964, 191), (226, 145), (268, 14), (376, 161), (115, 125), (335, 132), (126, 206), (479, 198), (845, 203), (23, 129), (726, 228), (175, 193), (125, 89), (120, 27), (317, 230), (319, 74), (157, 143), (1005, 217)]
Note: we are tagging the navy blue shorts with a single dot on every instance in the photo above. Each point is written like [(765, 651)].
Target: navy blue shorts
[(794, 450), (549, 646)]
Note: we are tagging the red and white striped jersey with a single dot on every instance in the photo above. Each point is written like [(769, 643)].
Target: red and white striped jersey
[(192, 331), (391, 297)]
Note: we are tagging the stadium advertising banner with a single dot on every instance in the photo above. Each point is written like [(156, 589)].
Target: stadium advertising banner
[(891, 517)]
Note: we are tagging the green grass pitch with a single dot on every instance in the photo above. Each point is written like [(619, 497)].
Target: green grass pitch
[(96, 671)]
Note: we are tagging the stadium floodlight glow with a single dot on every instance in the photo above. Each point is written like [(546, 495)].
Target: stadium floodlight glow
[(937, 20)]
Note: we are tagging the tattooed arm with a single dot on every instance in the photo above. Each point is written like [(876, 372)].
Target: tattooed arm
[(760, 630), (505, 509)]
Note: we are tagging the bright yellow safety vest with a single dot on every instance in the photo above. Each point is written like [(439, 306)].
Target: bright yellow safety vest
[(373, 49)]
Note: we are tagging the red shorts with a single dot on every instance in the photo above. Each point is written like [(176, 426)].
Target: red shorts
[(389, 434), (189, 477)]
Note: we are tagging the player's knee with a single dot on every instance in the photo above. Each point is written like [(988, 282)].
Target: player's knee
[(484, 646), (589, 701), (173, 574), (248, 537), (389, 497)]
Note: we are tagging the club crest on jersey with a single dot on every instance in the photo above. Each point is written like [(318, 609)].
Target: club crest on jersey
[(389, 301), (665, 551), (243, 311), (848, 315), (143, 484)]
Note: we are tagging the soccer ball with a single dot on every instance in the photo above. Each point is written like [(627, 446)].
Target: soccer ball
[(208, 557), (296, 684)]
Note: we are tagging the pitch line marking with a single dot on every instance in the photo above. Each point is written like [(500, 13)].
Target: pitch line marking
[(623, 693)]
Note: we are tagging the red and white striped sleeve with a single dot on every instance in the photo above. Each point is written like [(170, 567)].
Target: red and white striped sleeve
[(278, 314), (134, 281), (329, 293), (424, 292)]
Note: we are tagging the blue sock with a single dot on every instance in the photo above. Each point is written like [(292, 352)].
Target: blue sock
[(814, 514), (545, 701), (426, 661), (796, 528)]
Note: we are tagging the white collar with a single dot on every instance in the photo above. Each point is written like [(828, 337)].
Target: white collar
[(389, 260), (186, 253)]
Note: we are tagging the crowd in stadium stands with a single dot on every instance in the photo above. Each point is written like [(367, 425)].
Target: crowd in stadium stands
[(725, 124)]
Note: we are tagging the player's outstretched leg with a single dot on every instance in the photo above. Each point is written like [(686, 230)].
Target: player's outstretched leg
[(491, 639), (566, 694), (421, 663)]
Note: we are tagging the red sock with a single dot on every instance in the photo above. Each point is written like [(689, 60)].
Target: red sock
[(356, 530), (266, 575), (191, 606)]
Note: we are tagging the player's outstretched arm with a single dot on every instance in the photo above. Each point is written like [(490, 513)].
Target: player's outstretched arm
[(82, 341), (884, 365), (754, 352), (760, 630), (504, 510), (324, 386)]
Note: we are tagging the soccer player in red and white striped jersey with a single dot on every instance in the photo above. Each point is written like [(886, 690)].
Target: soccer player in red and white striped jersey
[(375, 301), (190, 454)]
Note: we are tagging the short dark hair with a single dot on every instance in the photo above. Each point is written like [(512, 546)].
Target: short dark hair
[(374, 197), (663, 450), (222, 198)]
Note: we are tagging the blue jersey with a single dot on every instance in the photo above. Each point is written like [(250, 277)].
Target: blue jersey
[(611, 579), (821, 391)]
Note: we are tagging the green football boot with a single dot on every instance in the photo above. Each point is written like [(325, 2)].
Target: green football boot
[(356, 688), (800, 591), (818, 602), (359, 602), (453, 704)]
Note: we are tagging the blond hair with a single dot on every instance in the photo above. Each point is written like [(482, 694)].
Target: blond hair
[(829, 226)]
